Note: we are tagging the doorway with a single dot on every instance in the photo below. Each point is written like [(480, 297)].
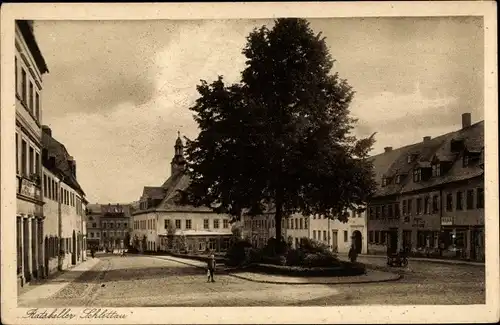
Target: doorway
[(357, 241), (73, 249)]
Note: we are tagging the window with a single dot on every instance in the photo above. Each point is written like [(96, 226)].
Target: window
[(398, 179), (435, 204), (166, 223), (390, 211), (370, 236), (305, 224), (383, 212), (410, 208), (426, 205), (384, 181), (94, 225), (17, 154), (206, 223), (30, 103), (377, 236), (405, 208), (377, 213), (436, 170), (324, 235), (225, 223), (419, 206), (291, 224), (449, 202), (480, 198), (188, 224), (470, 199), (37, 106), (24, 166), (353, 213), (23, 86), (296, 223), (465, 160), (396, 211), (345, 236), (91, 235), (216, 223), (314, 234), (460, 205), (417, 175), (301, 223)]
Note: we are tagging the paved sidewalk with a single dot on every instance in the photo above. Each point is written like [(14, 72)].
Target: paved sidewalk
[(370, 276), (421, 259), (52, 286)]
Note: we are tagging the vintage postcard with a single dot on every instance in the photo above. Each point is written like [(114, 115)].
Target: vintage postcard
[(230, 162)]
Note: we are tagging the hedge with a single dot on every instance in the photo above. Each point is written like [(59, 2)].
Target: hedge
[(345, 269)]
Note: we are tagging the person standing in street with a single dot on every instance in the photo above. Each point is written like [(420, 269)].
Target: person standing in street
[(211, 268)]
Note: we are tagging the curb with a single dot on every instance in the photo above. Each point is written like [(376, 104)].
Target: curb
[(430, 260), (396, 277)]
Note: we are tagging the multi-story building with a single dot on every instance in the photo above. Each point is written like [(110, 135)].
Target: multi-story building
[(108, 225), (64, 209), (29, 67), (430, 198), (160, 223), (339, 236)]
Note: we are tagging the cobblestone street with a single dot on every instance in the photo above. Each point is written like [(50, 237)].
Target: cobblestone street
[(154, 281)]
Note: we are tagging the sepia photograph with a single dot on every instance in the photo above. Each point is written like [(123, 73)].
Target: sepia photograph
[(293, 158)]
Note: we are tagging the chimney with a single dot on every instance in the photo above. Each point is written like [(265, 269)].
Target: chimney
[(427, 138), (387, 149), (466, 120), (47, 130)]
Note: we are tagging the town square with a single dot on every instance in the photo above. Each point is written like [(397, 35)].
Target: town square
[(249, 162)]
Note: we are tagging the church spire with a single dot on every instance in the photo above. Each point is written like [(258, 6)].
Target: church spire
[(178, 163)]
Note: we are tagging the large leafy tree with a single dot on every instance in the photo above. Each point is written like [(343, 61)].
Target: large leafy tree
[(281, 137)]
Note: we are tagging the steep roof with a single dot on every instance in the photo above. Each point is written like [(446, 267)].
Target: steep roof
[(56, 149), (395, 162)]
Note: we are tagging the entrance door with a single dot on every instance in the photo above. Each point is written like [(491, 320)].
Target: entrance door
[(357, 241), (73, 249), (334, 241)]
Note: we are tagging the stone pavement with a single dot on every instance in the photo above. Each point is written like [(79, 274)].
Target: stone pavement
[(369, 277), (52, 286)]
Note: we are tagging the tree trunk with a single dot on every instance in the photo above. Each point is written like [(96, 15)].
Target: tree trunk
[(277, 218)]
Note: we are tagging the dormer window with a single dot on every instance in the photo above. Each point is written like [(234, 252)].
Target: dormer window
[(417, 175), (409, 158), (398, 179), (456, 145), (384, 181), (436, 170), (465, 160)]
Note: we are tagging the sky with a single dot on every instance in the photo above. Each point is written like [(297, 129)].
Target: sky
[(117, 92)]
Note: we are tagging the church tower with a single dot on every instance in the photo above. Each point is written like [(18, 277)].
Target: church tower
[(178, 164)]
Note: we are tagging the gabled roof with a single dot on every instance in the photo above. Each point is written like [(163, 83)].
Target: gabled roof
[(395, 162), (58, 150)]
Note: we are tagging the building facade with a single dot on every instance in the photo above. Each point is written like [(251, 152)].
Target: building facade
[(339, 236), (159, 223), (430, 196), (29, 67), (64, 210)]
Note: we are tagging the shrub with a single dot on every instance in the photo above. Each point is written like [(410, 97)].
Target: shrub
[(236, 253), (295, 257), (312, 246), (320, 260)]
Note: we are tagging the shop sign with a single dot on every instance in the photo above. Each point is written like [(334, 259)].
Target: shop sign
[(446, 221), (27, 188)]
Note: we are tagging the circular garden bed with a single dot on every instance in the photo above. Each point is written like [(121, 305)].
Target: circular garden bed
[(342, 269)]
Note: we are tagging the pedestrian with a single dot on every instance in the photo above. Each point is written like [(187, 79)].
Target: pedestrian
[(92, 252), (211, 268), (353, 254)]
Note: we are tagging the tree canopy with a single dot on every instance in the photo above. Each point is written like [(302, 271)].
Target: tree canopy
[(281, 137)]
